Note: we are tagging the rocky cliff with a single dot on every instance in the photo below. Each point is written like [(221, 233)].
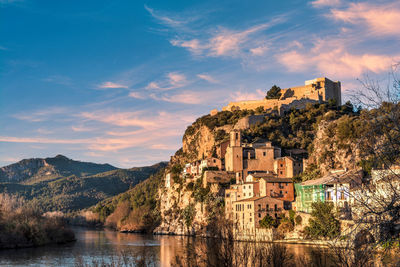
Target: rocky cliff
[(322, 129)]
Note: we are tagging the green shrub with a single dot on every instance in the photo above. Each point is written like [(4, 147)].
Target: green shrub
[(298, 219), (323, 223), (188, 215), (274, 93), (268, 222)]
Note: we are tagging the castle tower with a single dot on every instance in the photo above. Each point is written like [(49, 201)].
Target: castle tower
[(236, 139), (234, 152)]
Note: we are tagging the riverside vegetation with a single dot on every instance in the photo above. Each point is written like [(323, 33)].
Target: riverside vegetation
[(22, 225)]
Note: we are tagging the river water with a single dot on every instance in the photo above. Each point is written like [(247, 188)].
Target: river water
[(106, 246)]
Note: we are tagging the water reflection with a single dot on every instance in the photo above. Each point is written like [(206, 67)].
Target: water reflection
[(107, 245)]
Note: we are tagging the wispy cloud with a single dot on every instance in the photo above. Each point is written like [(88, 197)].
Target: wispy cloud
[(226, 42), (332, 58), (137, 95), (185, 97), (173, 80), (240, 95), (172, 22), (326, 3), (41, 115), (207, 78), (41, 140), (259, 51), (118, 118), (110, 85), (383, 19), (58, 79), (81, 128)]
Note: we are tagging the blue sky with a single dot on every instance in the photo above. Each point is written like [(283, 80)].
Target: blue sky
[(119, 81)]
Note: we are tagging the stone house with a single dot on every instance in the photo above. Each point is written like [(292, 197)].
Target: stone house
[(288, 167), (248, 212)]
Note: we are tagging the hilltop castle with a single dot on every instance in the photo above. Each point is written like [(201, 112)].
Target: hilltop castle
[(313, 91)]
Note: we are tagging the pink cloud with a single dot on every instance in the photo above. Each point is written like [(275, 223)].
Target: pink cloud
[(333, 59), (227, 42), (11, 139), (193, 46), (136, 95), (119, 118), (108, 85), (173, 80), (259, 51), (380, 19), (325, 3), (186, 97), (241, 96), (207, 78)]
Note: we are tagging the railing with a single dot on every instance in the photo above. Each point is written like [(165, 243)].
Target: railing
[(275, 195), (268, 210)]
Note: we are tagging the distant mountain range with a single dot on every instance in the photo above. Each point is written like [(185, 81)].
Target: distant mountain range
[(60, 183)]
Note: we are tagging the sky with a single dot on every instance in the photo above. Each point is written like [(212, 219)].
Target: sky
[(119, 81)]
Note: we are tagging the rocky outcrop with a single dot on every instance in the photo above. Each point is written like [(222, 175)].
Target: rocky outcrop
[(181, 214), (22, 170), (330, 152)]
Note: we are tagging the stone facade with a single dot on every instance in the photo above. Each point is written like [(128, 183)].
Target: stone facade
[(288, 167), (248, 212), (313, 91)]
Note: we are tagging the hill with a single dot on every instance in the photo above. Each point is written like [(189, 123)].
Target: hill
[(38, 169), (66, 185)]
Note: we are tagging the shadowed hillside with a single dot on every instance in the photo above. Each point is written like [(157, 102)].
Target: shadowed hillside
[(37, 169), (66, 185)]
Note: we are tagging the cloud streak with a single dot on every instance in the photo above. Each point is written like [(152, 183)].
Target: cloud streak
[(111, 85), (226, 42), (380, 20)]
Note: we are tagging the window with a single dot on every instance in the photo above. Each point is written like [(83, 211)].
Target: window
[(286, 184), (250, 219), (280, 192), (281, 172), (244, 194), (259, 206), (237, 136), (259, 215), (281, 165), (267, 206), (276, 207), (264, 154)]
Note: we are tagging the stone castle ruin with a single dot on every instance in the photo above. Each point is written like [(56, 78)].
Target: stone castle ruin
[(313, 91)]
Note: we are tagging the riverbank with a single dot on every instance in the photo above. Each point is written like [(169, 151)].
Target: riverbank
[(22, 226)]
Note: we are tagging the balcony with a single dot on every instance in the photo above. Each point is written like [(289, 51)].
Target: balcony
[(275, 195)]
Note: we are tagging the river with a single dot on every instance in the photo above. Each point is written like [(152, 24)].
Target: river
[(106, 246)]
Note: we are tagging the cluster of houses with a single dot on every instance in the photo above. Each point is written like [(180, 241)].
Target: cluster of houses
[(257, 181)]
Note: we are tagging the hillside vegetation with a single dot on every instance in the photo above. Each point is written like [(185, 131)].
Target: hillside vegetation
[(38, 169), (135, 210), (23, 225), (77, 190)]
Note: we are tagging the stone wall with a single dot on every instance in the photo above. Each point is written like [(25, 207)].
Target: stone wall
[(317, 90)]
